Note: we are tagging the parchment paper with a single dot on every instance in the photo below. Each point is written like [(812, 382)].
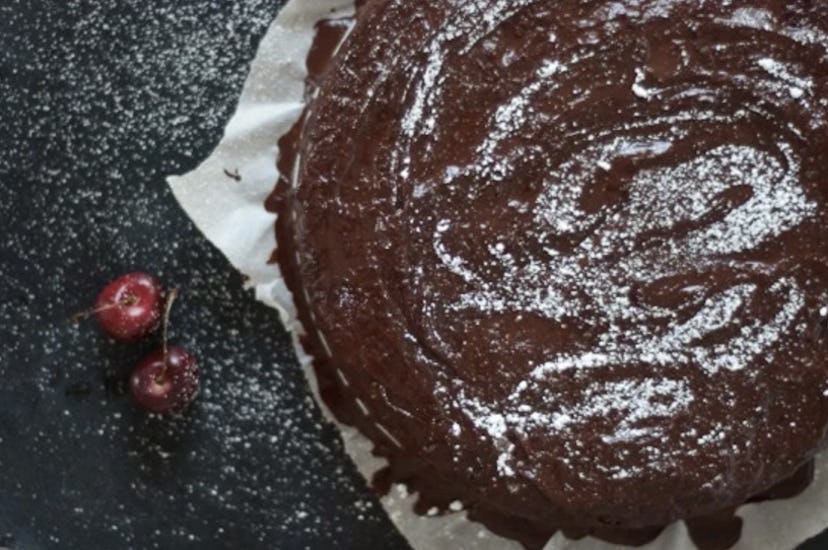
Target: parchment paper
[(231, 214)]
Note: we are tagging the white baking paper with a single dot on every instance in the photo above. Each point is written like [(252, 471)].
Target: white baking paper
[(231, 214)]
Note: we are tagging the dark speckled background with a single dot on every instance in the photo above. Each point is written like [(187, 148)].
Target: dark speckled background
[(99, 100)]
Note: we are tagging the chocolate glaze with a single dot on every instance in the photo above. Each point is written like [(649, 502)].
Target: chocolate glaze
[(564, 261)]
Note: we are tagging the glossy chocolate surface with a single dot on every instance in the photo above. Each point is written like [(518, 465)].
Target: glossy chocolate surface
[(565, 262)]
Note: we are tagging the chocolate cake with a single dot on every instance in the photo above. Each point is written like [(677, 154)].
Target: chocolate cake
[(566, 262)]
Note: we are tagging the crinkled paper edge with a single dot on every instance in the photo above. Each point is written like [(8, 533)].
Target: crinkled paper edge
[(231, 214)]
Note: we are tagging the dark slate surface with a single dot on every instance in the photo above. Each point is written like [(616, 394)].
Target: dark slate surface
[(100, 100)]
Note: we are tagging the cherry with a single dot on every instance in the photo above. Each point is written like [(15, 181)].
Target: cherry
[(129, 308), (165, 381)]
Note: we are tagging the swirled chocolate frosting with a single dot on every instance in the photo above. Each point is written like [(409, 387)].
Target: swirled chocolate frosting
[(566, 262)]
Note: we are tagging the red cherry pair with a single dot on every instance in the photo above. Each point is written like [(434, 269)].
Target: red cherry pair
[(131, 308)]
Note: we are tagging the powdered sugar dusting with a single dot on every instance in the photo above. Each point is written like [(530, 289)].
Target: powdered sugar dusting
[(599, 275), (798, 86), (473, 21), (701, 218)]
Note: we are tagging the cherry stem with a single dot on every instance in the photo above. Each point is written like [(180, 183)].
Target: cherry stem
[(126, 301), (171, 296)]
